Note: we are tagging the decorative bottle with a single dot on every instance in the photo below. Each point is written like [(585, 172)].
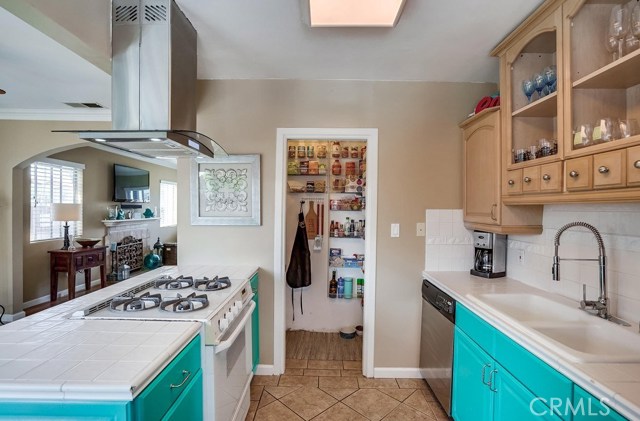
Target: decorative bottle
[(333, 286)]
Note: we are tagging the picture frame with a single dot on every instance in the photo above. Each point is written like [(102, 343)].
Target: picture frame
[(226, 190)]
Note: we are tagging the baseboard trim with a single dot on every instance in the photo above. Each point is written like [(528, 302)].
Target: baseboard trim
[(265, 370), (397, 372), (8, 318), (63, 293)]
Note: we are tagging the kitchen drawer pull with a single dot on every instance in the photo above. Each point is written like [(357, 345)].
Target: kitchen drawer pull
[(546, 177), (188, 374), (511, 182), (493, 214), (574, 174), (527, 180), (491, 381), (637, 164), (484, 367), (603, 170)]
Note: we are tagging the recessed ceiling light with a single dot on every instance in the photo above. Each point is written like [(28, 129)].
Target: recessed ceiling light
[(383, 13), (100, 140)]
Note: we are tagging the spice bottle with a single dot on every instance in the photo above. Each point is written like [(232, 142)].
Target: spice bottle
[(340, 287), (336, 168), (335, 150)]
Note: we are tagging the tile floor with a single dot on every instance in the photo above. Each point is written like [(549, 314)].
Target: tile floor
[(336, 390)]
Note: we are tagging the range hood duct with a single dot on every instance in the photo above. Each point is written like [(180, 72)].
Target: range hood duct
[(153, 83)]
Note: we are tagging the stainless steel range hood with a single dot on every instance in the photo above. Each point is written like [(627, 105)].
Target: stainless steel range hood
[(153, 83)]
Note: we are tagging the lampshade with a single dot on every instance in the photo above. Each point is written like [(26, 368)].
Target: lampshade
[(66, 211)]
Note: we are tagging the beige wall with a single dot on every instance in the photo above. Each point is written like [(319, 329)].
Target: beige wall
[(97, 193), (20, 141), (420, 167)]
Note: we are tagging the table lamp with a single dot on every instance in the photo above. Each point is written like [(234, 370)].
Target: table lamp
[(65, 212)]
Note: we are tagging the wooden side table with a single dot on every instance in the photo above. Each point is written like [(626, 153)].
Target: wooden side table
[(72, 261)]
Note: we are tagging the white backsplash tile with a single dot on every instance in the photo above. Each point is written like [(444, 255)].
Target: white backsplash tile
[(448, 244), (619, 225)]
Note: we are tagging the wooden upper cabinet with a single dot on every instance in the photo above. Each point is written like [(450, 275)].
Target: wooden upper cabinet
[(602, 90), (594, 114), (532, 126), (482, 203), (481, 162)]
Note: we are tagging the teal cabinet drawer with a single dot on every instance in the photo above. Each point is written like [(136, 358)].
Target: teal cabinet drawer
[(513, 401), (167, 387), (482, 332), (188, 407), (587, 407), (540, 378)]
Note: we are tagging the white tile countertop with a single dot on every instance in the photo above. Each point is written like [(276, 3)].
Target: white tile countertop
[(618, 382), (49, 356)]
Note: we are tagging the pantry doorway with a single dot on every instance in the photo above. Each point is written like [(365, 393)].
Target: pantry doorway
[(331, 183)]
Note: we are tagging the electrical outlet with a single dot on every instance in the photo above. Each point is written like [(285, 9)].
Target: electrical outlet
[(420, 228), (520, 257)]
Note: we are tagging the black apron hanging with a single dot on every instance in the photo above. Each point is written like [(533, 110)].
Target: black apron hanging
[(299, 271)]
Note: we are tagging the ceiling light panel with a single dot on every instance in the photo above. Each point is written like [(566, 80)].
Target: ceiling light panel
[(381, 13)]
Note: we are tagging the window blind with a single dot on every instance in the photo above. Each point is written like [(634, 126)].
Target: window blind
[(168, 203), (53, 181)]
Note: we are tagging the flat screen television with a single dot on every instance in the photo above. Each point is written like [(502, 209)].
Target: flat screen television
[(130, 185)]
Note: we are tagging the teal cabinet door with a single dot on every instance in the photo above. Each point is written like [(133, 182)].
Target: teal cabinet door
[(188, 407), (472, 398), (513, 401), (587, 407), (255, 325)]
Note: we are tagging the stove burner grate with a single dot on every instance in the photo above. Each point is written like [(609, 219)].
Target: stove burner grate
[(167, 282), (180, 304), (214, 284), (128, 302)]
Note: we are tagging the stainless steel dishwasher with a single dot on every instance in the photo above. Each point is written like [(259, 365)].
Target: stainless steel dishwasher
[(436, 342)]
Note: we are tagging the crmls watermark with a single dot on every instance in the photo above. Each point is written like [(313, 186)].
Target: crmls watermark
[(584, 407)]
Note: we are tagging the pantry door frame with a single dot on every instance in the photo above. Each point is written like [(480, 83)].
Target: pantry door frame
[(371, 215)]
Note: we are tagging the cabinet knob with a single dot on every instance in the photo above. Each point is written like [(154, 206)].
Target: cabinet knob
[(511, 182), (603, 170), (527, 179), (574, 174), (637, 164), (546, 177)]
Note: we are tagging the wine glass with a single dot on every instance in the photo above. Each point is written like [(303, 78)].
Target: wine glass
[(528, 88), (539, 82), (551, 77), (619, 25), (635, 24)]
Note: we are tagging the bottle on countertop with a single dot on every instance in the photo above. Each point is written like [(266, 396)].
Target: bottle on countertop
[(333, 286), (340, 287)]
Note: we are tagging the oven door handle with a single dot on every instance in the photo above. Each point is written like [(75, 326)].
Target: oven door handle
[(239, 327)]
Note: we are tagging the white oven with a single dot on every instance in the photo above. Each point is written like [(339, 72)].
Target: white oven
[(227, 370)]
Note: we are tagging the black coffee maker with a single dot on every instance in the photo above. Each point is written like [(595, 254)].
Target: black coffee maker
[(490, 258)]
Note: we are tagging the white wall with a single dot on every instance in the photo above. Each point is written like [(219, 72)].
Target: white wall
[(449, 245), (619, 225)]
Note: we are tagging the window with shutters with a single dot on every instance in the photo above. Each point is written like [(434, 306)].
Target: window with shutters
[(168, 203), (53, 181)]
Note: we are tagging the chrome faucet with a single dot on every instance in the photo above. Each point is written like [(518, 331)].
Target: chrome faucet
[(601, 306)]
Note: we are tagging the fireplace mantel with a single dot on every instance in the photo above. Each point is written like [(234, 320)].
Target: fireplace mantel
[(122, 222)]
